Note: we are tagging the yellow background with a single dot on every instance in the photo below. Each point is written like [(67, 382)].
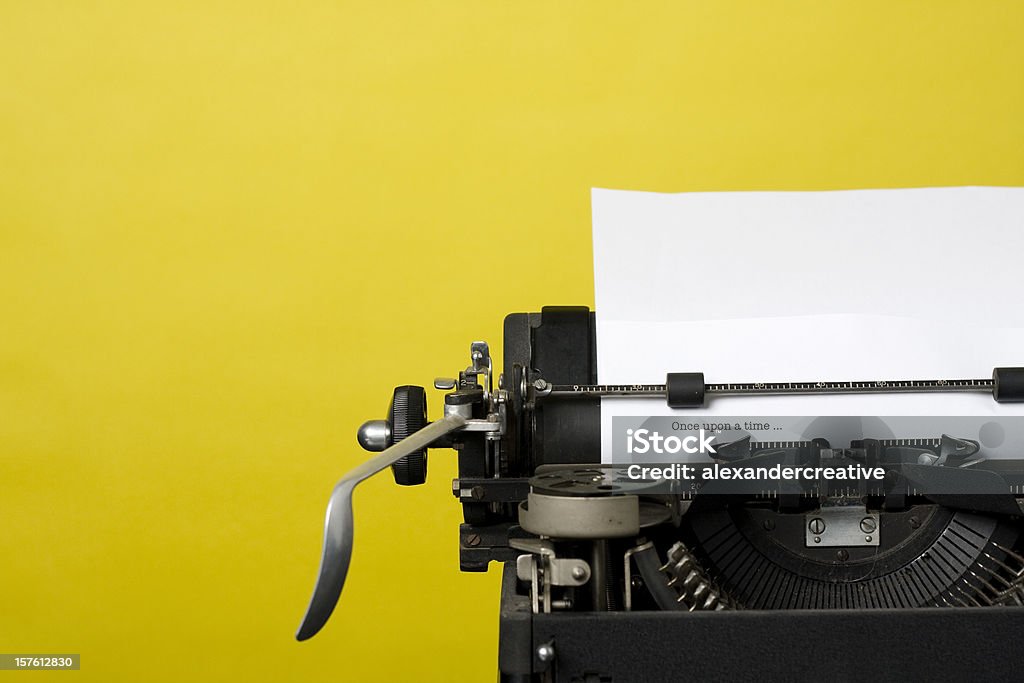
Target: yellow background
[(228, 229)]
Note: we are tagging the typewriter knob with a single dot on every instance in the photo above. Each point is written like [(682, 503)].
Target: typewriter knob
[(374, 435), (407, 414)]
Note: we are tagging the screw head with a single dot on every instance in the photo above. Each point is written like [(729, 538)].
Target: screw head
[(578, 572), (817, 525), (546, 652), (842, 555), (473, 540), (768, 524), (868, 525), (915, 522)]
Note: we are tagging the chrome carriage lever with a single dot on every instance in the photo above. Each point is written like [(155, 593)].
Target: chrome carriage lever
[(337, 550)]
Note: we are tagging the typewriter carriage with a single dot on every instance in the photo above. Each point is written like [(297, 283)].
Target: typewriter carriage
[(596, 567)]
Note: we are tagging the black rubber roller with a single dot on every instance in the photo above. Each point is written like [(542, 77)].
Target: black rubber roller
[(685, 389), (407, 415), (1008, 385)]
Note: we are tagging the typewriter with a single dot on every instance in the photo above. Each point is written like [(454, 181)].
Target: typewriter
[(917, 573)]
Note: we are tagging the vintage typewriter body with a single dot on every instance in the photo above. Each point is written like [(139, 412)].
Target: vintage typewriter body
[(607, 579)]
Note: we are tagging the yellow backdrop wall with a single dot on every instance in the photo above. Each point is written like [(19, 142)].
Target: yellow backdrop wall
[(227, 229)]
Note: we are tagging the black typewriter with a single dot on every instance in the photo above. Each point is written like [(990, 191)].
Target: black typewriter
[(915, 574)]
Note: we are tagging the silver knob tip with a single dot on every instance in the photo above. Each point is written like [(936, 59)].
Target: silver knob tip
[(374, 435)]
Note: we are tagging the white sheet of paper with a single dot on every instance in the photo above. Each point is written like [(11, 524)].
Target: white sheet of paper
[(808, 286)]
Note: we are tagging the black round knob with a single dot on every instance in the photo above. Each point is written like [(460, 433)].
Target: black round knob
[(407, 415), (1008, 385)]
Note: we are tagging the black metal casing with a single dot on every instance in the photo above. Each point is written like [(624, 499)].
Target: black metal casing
[(559, 344)]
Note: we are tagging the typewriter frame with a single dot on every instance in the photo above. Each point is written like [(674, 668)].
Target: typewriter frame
[(559, 344)]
